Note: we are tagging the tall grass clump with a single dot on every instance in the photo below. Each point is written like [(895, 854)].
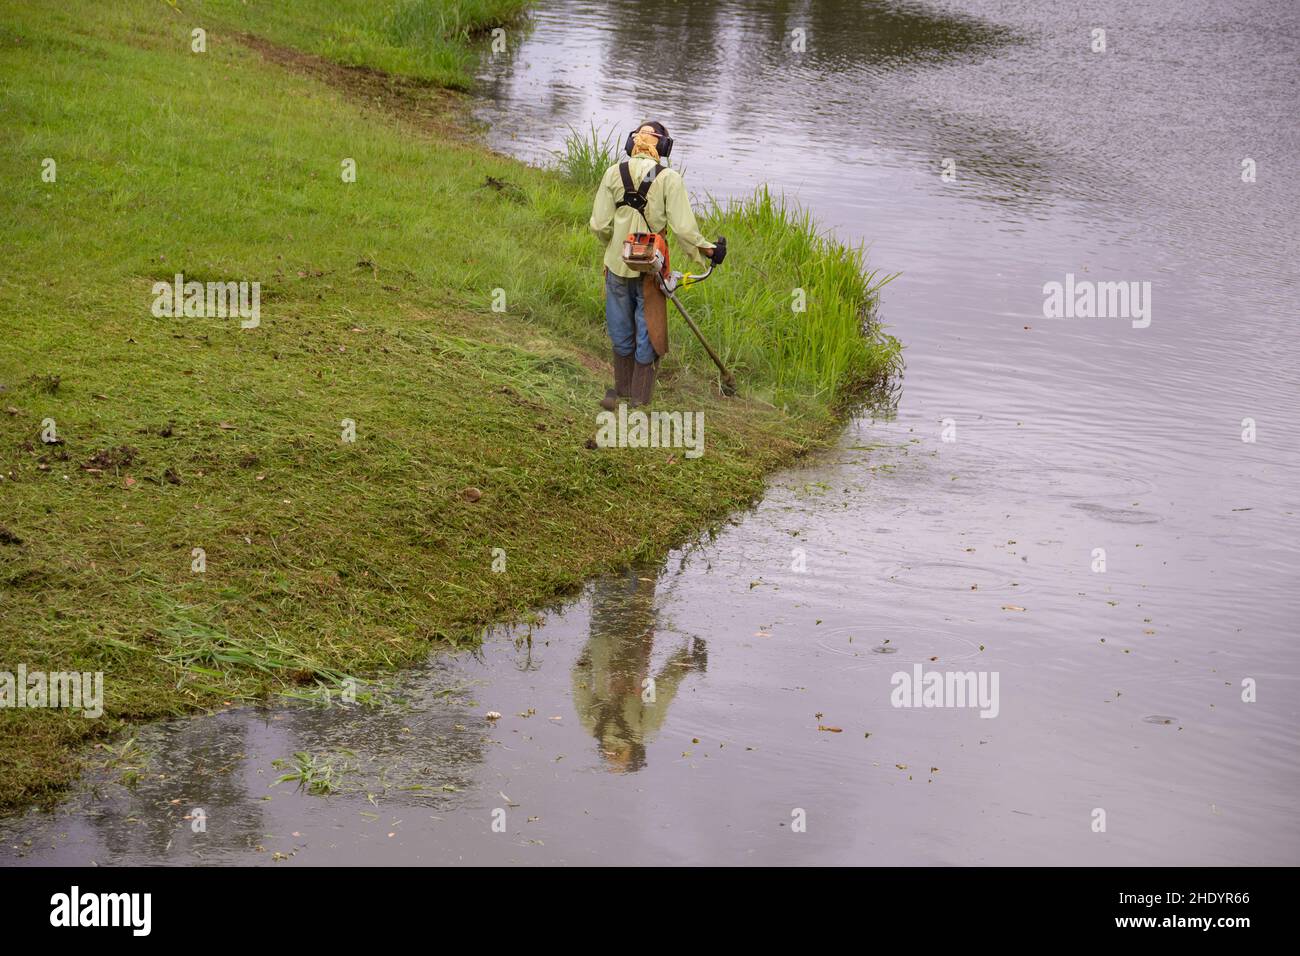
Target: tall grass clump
[(429, 40), (422, 22), (827, 353), (433, 37), (586, 156)]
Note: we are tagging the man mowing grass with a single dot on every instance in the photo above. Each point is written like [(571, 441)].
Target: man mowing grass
[(640, 194)]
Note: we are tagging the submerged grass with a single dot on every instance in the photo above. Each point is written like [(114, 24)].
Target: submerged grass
[(325, 558), (314, 775)]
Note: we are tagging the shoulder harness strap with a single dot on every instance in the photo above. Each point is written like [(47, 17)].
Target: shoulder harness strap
[(636, 196)]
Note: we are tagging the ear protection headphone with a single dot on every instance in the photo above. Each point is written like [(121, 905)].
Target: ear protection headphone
[(665, 141)]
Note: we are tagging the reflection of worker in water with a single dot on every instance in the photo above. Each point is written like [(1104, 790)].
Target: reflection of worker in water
[(617, 697)]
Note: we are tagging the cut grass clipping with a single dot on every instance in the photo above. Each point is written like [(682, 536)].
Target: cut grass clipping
[(180, 507)]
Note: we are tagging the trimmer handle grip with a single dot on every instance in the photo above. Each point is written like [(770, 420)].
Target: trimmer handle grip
[(719, 251)]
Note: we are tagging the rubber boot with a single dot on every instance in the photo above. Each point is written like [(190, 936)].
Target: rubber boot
[(624, 365), (643, 383), (623, 370)]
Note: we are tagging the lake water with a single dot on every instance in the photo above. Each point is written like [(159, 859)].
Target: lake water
[(959, 535)]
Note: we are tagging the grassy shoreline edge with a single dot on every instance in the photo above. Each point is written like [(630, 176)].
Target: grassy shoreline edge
[(325, 559)]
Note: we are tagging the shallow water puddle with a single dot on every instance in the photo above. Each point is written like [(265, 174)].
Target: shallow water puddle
[(681, 715)]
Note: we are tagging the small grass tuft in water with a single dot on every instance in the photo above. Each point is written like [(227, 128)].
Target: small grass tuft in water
[(313, 775), (127, 759)]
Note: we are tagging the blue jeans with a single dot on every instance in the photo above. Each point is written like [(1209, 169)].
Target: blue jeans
[(625, 318)]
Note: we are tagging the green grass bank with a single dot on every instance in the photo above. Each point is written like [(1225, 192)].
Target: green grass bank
[(127, 157)]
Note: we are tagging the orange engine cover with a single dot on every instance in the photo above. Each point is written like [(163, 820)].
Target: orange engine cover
[(639, 252)]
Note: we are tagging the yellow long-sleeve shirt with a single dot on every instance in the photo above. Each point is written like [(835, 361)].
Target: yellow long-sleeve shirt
[(667, 207)]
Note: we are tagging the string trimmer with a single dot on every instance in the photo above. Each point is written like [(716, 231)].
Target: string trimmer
[(678, 280), (645, 252)]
